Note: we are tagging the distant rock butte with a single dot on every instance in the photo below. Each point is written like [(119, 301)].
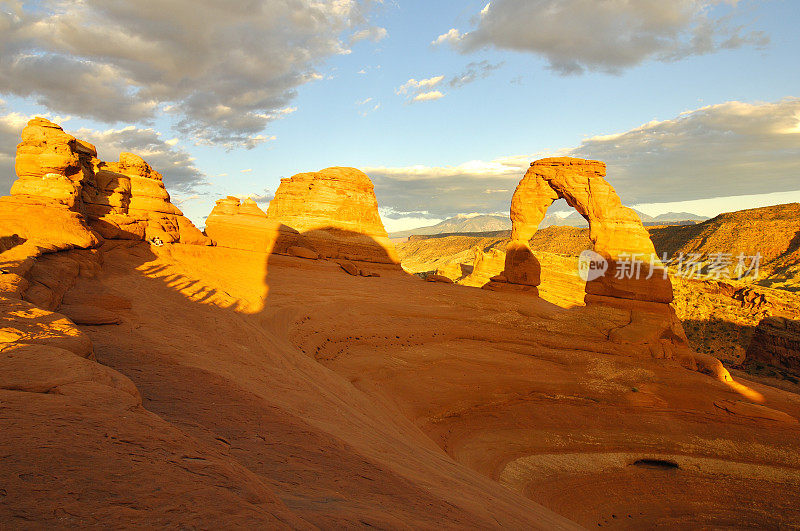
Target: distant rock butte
[(337, 212), (65, 197), (243, 225)]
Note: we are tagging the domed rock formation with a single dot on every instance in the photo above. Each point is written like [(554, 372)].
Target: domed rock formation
[(337, 212), (242, 225), (66, 197)]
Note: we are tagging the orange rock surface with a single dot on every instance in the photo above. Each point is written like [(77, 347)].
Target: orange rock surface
[(211, 386), (337, 212), (258, 406), (719, 315)]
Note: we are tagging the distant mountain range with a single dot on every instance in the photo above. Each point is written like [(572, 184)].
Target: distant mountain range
[(491, 222), (460, 223)]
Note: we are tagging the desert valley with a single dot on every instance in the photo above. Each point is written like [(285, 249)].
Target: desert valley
[(283, 370)]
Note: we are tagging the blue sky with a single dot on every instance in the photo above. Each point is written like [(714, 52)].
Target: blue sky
[(689, 101)]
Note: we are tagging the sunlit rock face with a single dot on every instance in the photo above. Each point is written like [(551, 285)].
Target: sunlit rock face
[(66, 197), (337, 212), (616, 231), (243, 225), (617, 236), (46, 199)]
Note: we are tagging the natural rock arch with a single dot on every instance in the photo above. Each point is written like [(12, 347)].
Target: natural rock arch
[(615, 230)]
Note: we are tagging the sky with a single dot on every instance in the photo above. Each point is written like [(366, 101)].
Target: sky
[(694, 105)]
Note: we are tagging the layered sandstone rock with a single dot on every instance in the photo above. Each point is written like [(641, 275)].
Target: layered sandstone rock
[(337, 212), (45, 201), (776, 341), (66, 197), (243, 225)]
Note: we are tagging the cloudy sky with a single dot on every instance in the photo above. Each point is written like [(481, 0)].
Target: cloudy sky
[(693, 104)]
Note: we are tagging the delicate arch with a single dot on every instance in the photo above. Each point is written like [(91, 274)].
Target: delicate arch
[(615, 230)]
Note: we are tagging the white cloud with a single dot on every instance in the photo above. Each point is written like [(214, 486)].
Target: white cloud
[(247, 170), (451, 37), (413, 85), (184, 200), (444, 191), (10, 128), (396, 222), (420, 90), (264, 198), (173, 162), (224, 69), (374, 34), (474, 71), (371, 106), (428, 96), (730, 149), (608, 36)]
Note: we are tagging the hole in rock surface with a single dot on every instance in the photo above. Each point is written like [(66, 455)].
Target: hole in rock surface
[(658, 464)]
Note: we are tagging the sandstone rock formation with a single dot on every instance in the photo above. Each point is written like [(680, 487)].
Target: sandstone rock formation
[(66, 197), (776, 341), (349, 267), (485, 265), (615, 230), (643, 291), (718, 315), (337, 212), (243, 225), (742, 233)]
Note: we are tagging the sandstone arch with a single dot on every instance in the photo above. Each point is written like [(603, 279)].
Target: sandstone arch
[(615, 230)]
